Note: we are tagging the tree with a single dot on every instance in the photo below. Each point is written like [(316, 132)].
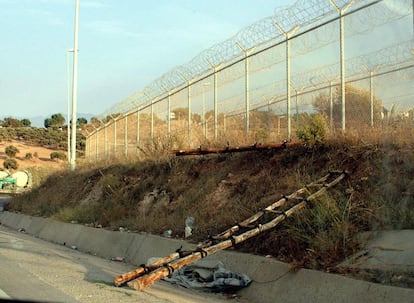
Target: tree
[(11, 122), (81, 121), (358, 106), (56, 120), (10, 164), (313, 131), (26, 122), (58, 155), (11, 151), (48, 122)]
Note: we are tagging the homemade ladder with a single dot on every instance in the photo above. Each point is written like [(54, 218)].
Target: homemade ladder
[(146, 275)]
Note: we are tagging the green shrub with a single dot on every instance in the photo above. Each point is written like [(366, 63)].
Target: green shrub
[(58, 155), (11, 151), (28, 156), (314, 131), (10, 163), (36, 155)]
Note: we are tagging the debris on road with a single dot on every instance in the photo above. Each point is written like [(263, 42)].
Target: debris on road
[(209, 275)]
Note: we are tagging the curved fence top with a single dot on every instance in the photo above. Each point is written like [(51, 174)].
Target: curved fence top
[(303, 16)]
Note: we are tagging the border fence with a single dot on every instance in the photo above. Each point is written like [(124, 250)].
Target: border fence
[(350, 61)]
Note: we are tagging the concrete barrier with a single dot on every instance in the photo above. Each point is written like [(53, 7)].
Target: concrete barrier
[(56, 232), (272, 280)]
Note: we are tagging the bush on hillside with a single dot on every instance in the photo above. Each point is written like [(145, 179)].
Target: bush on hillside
[(58, 155), (10, 163), (313, 132), (11, 151)]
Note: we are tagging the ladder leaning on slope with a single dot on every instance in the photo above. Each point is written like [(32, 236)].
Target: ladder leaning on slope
[(146, 275)]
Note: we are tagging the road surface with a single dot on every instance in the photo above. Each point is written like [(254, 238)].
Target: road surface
[(32, 269)]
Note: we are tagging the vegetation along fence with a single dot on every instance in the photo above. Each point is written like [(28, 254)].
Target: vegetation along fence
[(350, 61)]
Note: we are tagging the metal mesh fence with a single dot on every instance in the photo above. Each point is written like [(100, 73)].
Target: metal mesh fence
[(351, 61)]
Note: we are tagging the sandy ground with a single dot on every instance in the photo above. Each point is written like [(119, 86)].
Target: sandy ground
[(43, 158)]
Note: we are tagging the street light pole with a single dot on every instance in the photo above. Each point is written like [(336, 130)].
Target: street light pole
[(74, 87), (68, 101)]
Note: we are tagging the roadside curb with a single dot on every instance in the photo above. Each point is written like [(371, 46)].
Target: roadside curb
[(272, 280)]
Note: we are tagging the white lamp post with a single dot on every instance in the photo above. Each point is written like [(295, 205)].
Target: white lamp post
[(68, 100), (74, 87)]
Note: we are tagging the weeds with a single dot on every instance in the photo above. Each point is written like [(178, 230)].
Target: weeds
[(314, 131), (157, 194)]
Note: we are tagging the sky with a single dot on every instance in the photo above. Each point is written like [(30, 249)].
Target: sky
[(123, 46)]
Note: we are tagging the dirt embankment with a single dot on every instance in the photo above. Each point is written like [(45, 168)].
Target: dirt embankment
[(221, 190)]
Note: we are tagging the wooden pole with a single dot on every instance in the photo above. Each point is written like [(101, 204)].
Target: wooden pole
[(227, 233), (122, 279), (227, 150), (168, 264)]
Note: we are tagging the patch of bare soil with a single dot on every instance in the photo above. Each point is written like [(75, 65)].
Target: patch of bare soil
[(40, 155)]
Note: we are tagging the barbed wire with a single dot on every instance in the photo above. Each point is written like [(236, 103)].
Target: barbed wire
[(309, 14), (388, 56)]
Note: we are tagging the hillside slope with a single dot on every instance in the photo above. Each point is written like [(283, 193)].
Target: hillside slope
[(221, 190)]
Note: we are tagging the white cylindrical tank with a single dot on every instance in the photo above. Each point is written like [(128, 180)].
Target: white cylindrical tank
[(22, 178)]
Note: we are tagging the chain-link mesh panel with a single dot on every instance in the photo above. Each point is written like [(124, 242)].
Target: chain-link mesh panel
[(240, 90)]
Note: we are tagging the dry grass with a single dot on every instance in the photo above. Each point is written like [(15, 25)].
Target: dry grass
[(158, 193)]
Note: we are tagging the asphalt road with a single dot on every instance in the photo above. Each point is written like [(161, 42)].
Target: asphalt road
[(32, 269)]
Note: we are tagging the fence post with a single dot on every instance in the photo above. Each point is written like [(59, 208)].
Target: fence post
[(88, 146), (246, 88), (126, 135), (97, 145), (137, 138), (287, 35), (215, 70), (342, 56), (330, 106), (169, 115), (203, 117), (371, 72), (106, 142), (189, 113), (152, 121), (115, 135), (341, 12), (215, 104)]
